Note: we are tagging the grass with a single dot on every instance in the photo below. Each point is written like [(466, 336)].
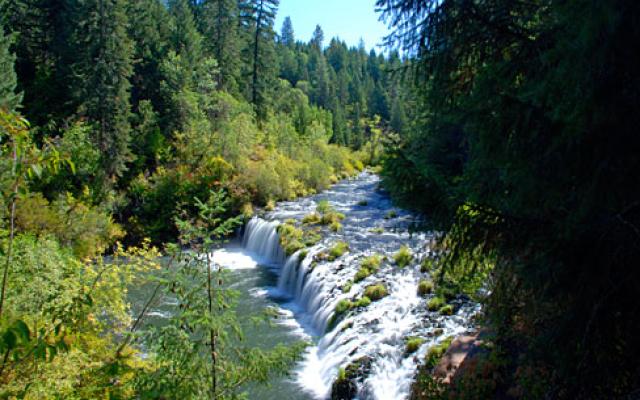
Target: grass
[(368, 266), (293, 238), (346, 288), (436, 352), (391, 214), (376, 292), (363, 302), (335, 226), (425, 287), (436, 303), (337, 251), (413, 344), (403, 257), (446, 310), (426, 265), (379, 230), (312, 219)]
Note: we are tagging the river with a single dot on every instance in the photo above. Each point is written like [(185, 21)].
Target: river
[(305, 293)]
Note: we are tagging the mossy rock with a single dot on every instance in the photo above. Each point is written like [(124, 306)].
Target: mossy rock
[(337, 251), (425, 287), (403, 257), (345, 387), (436, 303), (446, 310), (376, 292), (413, 344)]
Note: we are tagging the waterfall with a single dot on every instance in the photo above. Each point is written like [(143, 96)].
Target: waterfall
[(261, 239), (376, 332)]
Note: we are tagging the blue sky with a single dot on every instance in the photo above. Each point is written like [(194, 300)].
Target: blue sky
[(348, 19)]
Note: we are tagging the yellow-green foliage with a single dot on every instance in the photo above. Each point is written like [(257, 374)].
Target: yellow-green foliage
[(290, 238), (413, 344), (338, 250), (368, 266), (87, 230), (335, 226), (425, 287), (436, 303), (446, 309), (363, 302), (312, 219), (436, 352), (403, 257), (376, 292), (346, 288)]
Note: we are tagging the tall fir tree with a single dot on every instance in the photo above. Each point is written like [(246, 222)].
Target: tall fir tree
[(257, 17), (220, 26), (287, 36), (102, 71), (9, 99), (317, 39)]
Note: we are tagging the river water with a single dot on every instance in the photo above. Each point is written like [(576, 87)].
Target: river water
[(304, 295)]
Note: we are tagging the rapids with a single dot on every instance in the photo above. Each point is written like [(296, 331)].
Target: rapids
[(310, 291)]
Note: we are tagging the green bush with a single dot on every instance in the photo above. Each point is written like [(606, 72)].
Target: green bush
[(436, 352), (446, 310), (436, 303), (376, 292), (363, 302), (337, 251), (403, 257), (425, 287), (413, 344)]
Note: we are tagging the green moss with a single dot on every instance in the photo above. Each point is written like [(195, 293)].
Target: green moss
[(337, 251), (363, 302), (413, 344), (335, 226), (446, 310), (403, 257), (436, 352), (426, 265), (436, 303), (361, 275), (425, 287), (376, 292), (312, 219), (346, 288), (371, 263)]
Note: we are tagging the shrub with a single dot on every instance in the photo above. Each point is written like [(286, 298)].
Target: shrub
[(413, 344), (337, 251), (290, 238), (335, 226), (435, 303), (312, 219), (363, 302), (426, 265), (361, 275), (270, 206), (372, 263), (376, 292), (446, 310), (403, 257), (425, 287), (391, 214), (436, 352), (343, 306)]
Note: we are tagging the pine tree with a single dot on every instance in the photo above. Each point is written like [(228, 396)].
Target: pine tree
[(287, 36), (257, 17), (317, 38), (220, 25), (9, 99), (185, 38), (102, 71)]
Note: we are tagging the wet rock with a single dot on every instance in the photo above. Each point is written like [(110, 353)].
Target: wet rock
[(345, 387)]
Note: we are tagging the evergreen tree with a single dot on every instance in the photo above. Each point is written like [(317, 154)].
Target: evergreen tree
[(103, 68), (185, 38), (398, 120), (222, 38), (9, 99), (287, 36), (257, 18), (317, 38)]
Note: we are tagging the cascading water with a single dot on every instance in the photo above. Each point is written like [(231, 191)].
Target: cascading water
[(373, 336)]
